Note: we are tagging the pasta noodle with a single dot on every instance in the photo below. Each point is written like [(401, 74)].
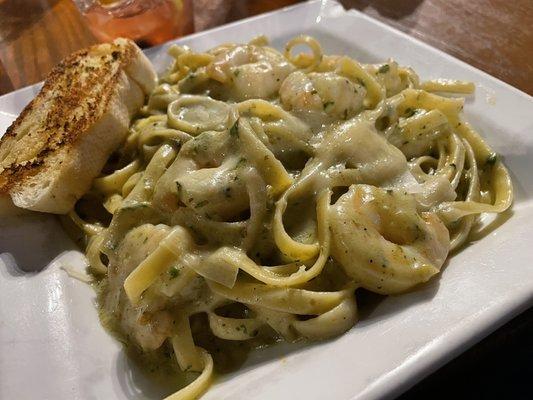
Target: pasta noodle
[(260, 190)]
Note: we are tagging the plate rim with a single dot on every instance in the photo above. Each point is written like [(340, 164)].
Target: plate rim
[(324, 4), (429, 360)]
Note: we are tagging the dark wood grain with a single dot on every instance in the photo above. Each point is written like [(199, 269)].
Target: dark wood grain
[(35, 35), (5, 83), (495, 36)]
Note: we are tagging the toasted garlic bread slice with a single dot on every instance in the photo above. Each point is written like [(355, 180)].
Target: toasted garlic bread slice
[(62, 139)]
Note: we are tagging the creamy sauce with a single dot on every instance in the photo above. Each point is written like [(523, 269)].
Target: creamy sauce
[(259, 190)]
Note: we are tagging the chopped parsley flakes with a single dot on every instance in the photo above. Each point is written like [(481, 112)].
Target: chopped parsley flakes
[(173, 272), (202, 204), (491, 159), (328, 105), (409, 112), (384, 69), (234, 130), (241, 163)]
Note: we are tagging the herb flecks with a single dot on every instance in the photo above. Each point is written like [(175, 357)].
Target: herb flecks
[(384, 69), (328, 105), (491, 159), (201, 204), (241, 163), (234, 130), (173, 272), (409, 112), (242, 328)]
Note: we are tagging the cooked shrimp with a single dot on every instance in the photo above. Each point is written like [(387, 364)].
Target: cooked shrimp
[(340, 96), (249, 71), (297, 93), (383, 242), (147, 326), (329, 92)]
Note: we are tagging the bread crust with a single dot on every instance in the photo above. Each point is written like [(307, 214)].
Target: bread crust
[(76, 95)]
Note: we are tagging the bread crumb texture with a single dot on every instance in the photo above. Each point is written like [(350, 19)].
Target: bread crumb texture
[(75, 95)]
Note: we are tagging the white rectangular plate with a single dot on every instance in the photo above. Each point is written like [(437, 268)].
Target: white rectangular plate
[(53, 347)]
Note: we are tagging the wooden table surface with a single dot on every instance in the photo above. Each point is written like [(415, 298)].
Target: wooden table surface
[(495, 36)]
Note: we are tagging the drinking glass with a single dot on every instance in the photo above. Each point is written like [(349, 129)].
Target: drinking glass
[(148, 22)]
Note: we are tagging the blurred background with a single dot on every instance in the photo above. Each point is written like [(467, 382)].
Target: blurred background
[(495, 36)]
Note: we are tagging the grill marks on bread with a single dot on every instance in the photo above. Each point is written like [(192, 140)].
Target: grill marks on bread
[(75, 94), (79, 93)]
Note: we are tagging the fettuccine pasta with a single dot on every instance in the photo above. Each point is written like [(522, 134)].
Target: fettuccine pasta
[(259, 190)]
